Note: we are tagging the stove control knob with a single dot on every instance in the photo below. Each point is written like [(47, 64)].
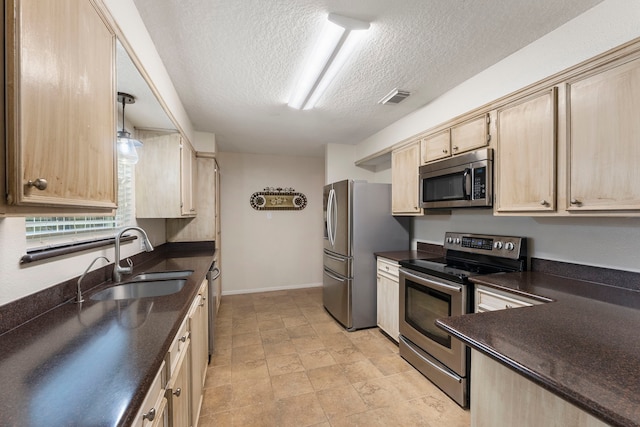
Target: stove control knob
[(509, 246), (449, 240), (457, 240), (497, 245)]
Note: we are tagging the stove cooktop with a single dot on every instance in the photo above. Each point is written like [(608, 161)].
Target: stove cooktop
[(456, 271), (439, 268)]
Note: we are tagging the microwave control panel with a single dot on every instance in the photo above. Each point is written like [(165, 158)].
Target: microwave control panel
[(479, 183)]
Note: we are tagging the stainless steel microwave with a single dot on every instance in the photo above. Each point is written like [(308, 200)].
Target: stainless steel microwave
[(462, 181)]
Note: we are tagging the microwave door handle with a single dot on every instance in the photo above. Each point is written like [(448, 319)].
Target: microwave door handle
[(466, 184)]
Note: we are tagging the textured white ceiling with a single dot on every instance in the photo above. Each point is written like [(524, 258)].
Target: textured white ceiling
[(234, 62)]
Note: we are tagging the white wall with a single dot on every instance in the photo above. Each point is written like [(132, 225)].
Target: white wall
[(268, 250), (602, 242), (17, 281), (607, 25), (340, 164)]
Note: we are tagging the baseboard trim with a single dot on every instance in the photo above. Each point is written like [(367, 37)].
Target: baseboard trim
[(275, 288)]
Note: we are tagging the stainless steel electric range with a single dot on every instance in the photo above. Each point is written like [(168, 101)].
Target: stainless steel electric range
[(436, 288)]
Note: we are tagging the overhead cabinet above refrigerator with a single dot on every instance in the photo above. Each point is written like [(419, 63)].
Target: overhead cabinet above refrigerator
[(357, 223)]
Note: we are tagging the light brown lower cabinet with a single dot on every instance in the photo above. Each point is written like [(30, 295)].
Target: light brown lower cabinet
[(501, 397), (198, 321), (388, 295), (153, 412), (179, 390)]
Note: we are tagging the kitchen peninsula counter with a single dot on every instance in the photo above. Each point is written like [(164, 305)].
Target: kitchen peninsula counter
[(91, 364), (583, 345)]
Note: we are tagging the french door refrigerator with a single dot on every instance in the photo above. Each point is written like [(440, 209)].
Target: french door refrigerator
[(357, 223)]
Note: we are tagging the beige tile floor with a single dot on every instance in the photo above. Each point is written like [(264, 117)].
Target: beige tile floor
[(281, 360)]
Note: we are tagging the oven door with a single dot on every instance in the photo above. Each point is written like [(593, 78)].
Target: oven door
[(423, 299)]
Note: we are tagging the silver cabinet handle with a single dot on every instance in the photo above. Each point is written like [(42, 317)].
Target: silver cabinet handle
[(151, 415), (455, 148), (575, 202), (40, 184), (183, 338), (177, 392), (444, 150), (543, 202)]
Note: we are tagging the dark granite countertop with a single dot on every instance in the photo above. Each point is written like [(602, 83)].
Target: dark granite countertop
[(91, 364), (582, 346)]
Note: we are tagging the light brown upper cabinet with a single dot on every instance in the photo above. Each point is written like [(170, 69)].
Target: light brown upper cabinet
[(470, 135), (165, 175), (526, 154), (405, 162), (205, 226), (436, 146), (465, 136), (60, 108), (603, 139)]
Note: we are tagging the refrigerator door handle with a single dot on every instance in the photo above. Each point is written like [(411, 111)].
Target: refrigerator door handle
[(330, 234), (334, 277), (336, 258), (334, 216), (329, 217)]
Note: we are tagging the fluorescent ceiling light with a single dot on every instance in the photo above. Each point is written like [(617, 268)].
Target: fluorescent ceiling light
[(334, 47)]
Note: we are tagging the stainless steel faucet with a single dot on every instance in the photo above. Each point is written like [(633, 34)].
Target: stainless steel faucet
[(79, 298), (117, 268)]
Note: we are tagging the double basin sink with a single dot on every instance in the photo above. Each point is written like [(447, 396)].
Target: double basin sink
[(151, 284)]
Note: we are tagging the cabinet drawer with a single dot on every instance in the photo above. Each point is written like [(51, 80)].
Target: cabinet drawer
[(388, 268), (177, 347), (152, 406), (493, 299)]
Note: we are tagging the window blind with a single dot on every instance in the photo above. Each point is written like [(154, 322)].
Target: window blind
[(48, 229)]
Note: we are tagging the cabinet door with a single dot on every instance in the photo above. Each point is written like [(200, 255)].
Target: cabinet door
[(405, 162), (388, 305), (199, 348), (526, 158), (61, 110), (158, 184), (178, 390), (204, 225), (603, 140), (435, 147), (188, 179), (470, 135)]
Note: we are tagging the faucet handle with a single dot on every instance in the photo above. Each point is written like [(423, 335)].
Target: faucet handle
[(130, 264)]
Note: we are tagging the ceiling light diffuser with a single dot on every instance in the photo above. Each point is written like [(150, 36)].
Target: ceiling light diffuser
[(334, 47)]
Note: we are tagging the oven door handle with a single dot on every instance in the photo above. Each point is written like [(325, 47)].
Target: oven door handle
[(434, 283), (430, 363)]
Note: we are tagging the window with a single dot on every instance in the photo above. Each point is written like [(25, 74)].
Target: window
[(46, 231)]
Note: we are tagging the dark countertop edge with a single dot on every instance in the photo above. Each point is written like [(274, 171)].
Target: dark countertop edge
[(580, 401), (128, 416)]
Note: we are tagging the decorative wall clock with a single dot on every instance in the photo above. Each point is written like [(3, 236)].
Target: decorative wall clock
[(271, 199)]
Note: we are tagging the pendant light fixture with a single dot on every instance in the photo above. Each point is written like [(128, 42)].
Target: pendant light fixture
[(126, 145)]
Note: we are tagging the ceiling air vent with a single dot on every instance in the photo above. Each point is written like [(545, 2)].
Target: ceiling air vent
[(394, 97)]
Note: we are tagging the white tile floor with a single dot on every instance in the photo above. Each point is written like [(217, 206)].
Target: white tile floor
[(281, 360)]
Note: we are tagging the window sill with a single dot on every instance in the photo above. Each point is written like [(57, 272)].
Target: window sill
[(69, 248)]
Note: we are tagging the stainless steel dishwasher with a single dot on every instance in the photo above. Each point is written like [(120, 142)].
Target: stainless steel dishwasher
[(213, 276)]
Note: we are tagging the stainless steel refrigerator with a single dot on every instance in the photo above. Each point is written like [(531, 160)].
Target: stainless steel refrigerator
[(357, 223)]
